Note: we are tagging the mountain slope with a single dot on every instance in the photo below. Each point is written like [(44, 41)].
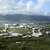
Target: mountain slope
[(19, 18)]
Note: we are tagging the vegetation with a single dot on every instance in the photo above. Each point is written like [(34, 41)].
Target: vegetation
[(27, 43), (20, 30), (10, 44)]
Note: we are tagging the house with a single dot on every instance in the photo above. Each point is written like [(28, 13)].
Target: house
[(36, 32), (11, 25), (18, 42), (6, 26), (12, 34), (3, 34), (21, 26), (47, 32), (26, 36)]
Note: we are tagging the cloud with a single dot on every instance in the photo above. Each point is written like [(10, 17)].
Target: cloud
[(30, 8), (22, 6), (45, 10)]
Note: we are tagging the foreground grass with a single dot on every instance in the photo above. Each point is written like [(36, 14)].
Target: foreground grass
[(35, 44)]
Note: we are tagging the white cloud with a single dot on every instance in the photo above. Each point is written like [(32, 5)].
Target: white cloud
[(39, 5), (19, 6), (30, 8)]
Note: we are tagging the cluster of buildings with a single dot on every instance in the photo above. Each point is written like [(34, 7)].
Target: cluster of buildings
[(37, 30)]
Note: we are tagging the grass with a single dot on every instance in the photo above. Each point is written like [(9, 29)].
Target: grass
[(10, 44), (20, 30)]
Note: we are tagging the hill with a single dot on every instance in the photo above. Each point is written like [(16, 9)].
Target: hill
[(21, 18)]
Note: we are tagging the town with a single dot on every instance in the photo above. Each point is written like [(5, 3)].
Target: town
[(24, 30), (19, 34)]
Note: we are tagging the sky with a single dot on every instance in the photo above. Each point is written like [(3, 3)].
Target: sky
[(39, 7)]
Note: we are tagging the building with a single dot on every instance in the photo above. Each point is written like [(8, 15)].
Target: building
[(36, 32), (12, 34)]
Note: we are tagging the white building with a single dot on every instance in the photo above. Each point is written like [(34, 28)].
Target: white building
[(36, 32), (26, 36), (3, 34), (47, 32), (11, 34), (6, 26), (18, 42)]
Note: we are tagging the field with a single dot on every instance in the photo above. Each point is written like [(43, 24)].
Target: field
[(34, 44)]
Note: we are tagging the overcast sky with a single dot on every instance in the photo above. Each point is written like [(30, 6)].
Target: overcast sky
[(25, 7)]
